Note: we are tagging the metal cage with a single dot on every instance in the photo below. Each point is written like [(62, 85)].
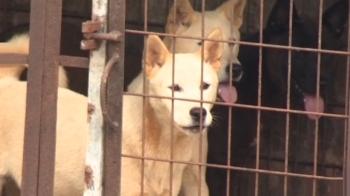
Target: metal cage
[(292, 157)]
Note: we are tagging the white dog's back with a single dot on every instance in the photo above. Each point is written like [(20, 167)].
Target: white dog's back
[(20, 44), (70, 140)]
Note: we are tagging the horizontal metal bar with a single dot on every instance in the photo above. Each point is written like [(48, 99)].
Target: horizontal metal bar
[(243, 106), (238, 168), (112, 36), (13, 58), (240, 42), (299, 162), (67, 61), (71, 61)]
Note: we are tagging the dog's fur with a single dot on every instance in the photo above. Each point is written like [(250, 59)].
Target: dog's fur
[(274, 90), (71, 127), (228, 17), (188, 22), (20, 44), (71, 37)]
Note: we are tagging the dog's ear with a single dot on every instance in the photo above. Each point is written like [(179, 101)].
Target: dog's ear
[(233, 10), (212, 50), (154, 56), (335, 17), (279, 15), (184, 16)]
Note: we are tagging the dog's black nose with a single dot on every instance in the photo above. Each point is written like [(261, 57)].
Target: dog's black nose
[(196, 114), (236, 70)]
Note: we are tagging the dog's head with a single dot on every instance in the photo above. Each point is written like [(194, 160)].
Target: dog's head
[(188, 22), (188, 84), (304, 64)]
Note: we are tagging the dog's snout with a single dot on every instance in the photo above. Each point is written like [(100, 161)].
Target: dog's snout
[(236, 70), (196, 114)]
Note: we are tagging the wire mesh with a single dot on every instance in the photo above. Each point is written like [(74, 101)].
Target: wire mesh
[(310, 161)]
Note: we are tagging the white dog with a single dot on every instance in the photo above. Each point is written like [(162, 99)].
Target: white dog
[(20, 44), (72, 126), (228, 17)]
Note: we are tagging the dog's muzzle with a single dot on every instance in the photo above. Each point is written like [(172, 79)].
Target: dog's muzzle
[(195, 129), (197, 114), (237, 71)]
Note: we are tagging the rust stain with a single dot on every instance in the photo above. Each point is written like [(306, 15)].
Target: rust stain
[(88, 179), (91, 110)]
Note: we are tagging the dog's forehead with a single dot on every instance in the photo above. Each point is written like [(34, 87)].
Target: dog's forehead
[(195, 29), (187, 67)]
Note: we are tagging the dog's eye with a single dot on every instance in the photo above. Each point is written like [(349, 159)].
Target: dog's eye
[(175, 87), (205, 86), (200, 43)]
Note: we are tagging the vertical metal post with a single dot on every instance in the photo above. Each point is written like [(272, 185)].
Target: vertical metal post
[(40, 121), (94, 151), (113, 135), (346, 167)]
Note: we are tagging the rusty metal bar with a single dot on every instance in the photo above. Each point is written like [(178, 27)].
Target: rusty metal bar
[(301, 162), (286, 150), (319, 42), (72, 61), (40, 121), (244, 106), (144, 100), (258, 124), (346, 170), (238, 168), (90, 44), (103, 95), (229, 116), (13, 58), (323, 51), (68, 61), (200, 143), (172, 108), (93, 25), (113, 135), (94, 150), (112, 36)]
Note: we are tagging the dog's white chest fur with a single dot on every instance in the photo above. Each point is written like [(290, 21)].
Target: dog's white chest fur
[(156, 144)]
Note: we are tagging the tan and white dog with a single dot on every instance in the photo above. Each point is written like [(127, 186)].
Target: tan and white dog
[(188, 22), (72, 126), (20, 44)]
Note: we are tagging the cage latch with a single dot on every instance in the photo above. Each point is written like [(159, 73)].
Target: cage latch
[(92, 32)]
